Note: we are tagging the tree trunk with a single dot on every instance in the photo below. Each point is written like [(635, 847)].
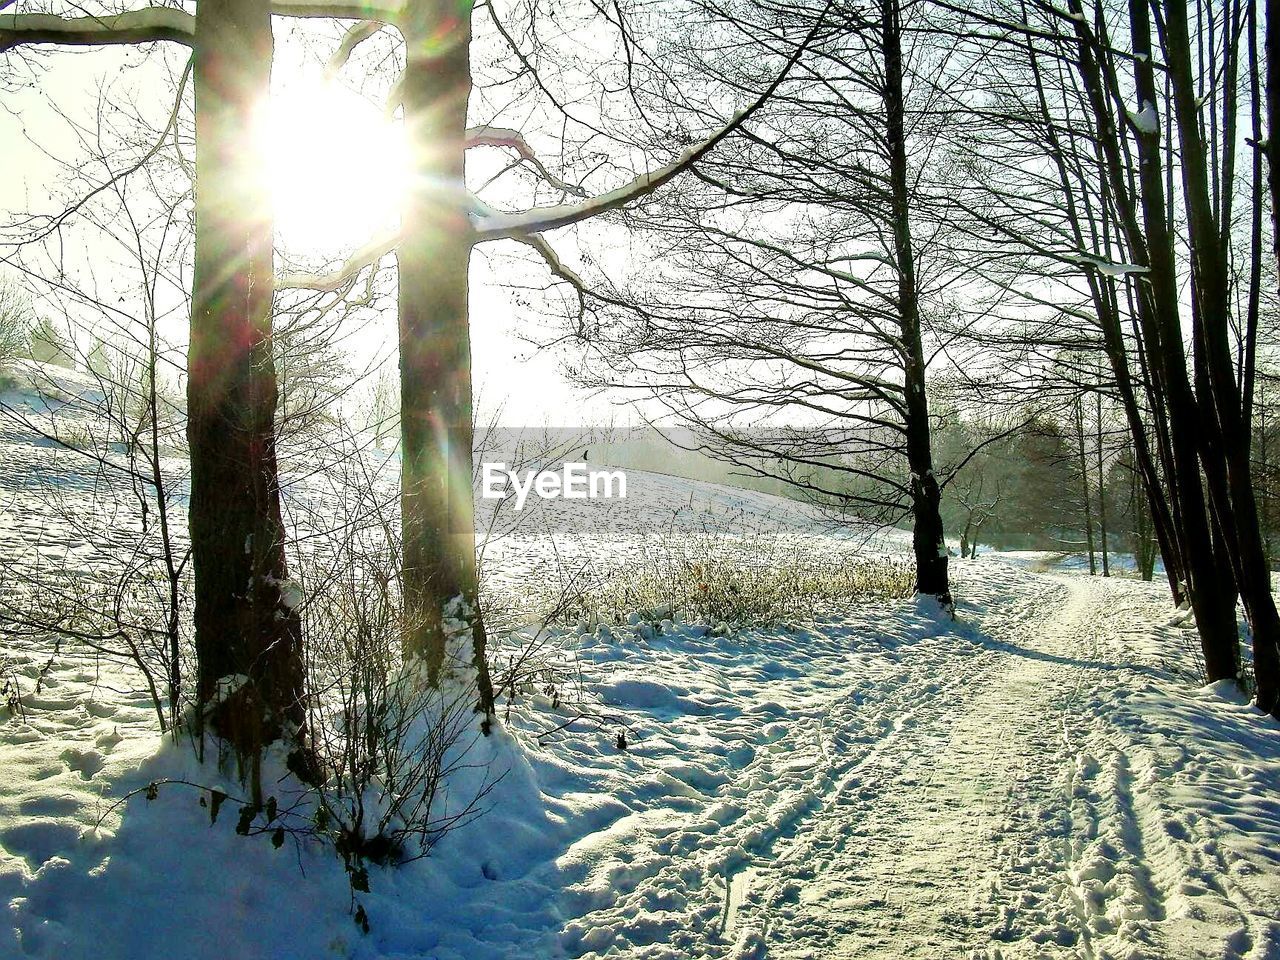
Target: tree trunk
[(1249, 348), (928, 540), (1085, 497), (1234, 503), (1102, 491), (438, 523), (248, 641), (1106, 304), (1272, 44), (1162, 332)]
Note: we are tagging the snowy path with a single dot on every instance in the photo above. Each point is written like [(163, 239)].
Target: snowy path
[(1015, 814), (915, 853), (992, 798)]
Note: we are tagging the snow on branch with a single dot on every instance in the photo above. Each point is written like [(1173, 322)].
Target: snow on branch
[(558, 268), (382, 11), (514, 140), (497, 225), (366, 256), (1146, 120), (135, 26), (1115, 271), (355, 36)]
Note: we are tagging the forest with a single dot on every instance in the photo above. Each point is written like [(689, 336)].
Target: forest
[(890, 395)]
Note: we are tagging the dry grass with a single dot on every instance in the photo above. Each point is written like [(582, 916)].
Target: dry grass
[(708, 584)]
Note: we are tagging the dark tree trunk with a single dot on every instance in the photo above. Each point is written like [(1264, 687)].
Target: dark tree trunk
[(440, 581), (1102, 492), (1162, 334), (1272, 44), (1211, 597), (1151, 246), (1234, 503), (928, 540), (1249, 353), (1103, 294), (1085, 498), (248, 643), (1143, 553)]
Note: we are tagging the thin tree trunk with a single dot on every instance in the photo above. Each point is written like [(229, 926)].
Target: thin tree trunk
[(1161, 330), (248, 641), (440, 581), (1102, 494), (1249, 357), (1108, 311), (1272, 43), (1084, 487)]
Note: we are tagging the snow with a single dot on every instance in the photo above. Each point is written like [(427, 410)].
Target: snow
[(1038, 777), (1114, 270), (133, 26), (1146, 120)]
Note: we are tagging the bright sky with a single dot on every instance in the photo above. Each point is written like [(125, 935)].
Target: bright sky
[(336, 170)]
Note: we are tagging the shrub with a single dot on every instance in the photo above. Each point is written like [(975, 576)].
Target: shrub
[(384, 741), (16, 321), (713, 580)]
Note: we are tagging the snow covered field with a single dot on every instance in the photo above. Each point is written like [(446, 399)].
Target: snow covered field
[(1040, 777)]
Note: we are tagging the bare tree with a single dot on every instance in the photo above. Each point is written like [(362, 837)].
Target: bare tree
[(16, 320), (790, 319), (1078, 185), (442, 225), (249, 664)]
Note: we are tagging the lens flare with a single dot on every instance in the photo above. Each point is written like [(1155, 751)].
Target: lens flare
[(336, 168)]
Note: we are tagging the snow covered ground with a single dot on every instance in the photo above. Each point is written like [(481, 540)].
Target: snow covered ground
[(1040, 777)]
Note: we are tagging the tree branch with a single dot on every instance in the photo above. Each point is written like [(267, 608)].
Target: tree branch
[(514, 140), (558, 269), (495, 225), (136, 26), (366, 256), (382, 11), (355, 36)]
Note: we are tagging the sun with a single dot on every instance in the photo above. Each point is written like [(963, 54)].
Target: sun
[(336, 168)]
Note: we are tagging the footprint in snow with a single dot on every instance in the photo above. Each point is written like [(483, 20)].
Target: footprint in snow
[(85, 762), (39, 841), (49, 805), (106, 741)]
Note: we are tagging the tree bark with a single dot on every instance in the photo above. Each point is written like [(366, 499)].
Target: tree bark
[(438, 522), (1272, 45), (1085, 497), (1103, 294), (1157, 308), (248, 641), (1235, 506), (928, 540), (1102, 491)]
